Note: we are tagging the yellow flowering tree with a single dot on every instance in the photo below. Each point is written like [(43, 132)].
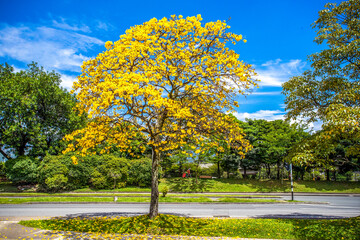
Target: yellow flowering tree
[(168, 81)]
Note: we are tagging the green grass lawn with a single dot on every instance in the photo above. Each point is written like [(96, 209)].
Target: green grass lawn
[(233, 185), (241, 185), (242, 228), (20, 200)]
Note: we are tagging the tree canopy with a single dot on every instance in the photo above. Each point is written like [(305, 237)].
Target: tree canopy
[(330, 91), (35, 112), (171, 80)]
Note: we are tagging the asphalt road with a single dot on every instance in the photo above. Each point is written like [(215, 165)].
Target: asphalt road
[(337, 207)]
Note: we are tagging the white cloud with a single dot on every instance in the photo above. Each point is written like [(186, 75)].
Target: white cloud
[(63, 25), (104, 26), (312, 126), (52, 48), (269, 115), (276, 72), (67, 81), (266, 93), (316, 126)]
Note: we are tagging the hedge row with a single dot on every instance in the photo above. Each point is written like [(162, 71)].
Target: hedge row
[(58, 173)]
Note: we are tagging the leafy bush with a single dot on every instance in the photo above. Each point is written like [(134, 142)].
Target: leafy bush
[(140, 172), (98, 181), (164, 191), (2, 170), (21, 170), (111, 173), (50, 167), (56, 183)]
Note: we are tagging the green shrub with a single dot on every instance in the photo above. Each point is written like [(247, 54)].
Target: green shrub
[(98, 181), (111, 173), (140, 172), (56, 183), (2, 170), (164, 191), (50, 167), (21, 170), (79, 174)]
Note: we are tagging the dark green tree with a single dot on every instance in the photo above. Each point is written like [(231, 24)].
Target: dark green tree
[(271, 141), (35, 112), (330, 91)]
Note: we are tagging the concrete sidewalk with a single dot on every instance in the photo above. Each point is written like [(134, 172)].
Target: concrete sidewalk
[(11, 229)]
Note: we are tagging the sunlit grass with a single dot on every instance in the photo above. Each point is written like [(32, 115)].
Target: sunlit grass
[(174, 225), (73, 194), (22, 200), (252, 185), (226, 185)]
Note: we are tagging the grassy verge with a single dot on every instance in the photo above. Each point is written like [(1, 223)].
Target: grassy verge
[(234, 185), (125, 189), (219, 195), (243, 185), (4, 200), (173, 225)]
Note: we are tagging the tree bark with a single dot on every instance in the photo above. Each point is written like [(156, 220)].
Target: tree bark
[(245, 176), (268, 171), (327, 175), (218, 169), (278, 170), (154, 202)]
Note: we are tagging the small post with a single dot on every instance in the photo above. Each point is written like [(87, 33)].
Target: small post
[(292, 185)]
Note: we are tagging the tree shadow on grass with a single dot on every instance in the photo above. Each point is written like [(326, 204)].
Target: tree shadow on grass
[(111, 215)]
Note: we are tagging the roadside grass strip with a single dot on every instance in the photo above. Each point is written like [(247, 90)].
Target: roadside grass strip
[(23, 200), (229, 185), (70, 194), (170, 225)]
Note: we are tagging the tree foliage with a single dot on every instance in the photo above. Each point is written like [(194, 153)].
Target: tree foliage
[(35, 112), (21, 170), (169, 80), (330, 92), (272, 141)]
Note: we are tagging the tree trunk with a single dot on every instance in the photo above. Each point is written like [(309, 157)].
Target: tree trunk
[(268, 171), (218, 169), (278, 170), (180, 168), (154, 202), (245, 176), (327, 175)]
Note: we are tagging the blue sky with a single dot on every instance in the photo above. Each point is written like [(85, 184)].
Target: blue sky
[(59, 35)]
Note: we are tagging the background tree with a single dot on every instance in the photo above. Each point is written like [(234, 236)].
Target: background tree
[(330, 91), (230, 162), (170, 80), (35, 112), (272, 141)]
